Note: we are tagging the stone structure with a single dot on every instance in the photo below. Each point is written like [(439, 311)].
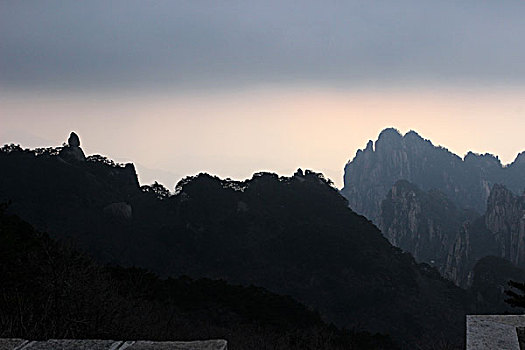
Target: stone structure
[(90, 344), (495, 332)]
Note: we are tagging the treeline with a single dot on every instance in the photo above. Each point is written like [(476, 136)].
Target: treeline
[(50, 290), (290, 235)]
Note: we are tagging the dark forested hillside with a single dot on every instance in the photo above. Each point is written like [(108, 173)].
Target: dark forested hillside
[(291, 235), (49, 290), (491, 276)]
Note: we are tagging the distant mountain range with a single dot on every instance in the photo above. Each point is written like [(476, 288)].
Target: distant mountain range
[(467, 182), (291, 235), (446, 211)]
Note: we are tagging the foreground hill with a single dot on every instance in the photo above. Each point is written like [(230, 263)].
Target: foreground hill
[(490, 280), (291, 235), (49, 291)]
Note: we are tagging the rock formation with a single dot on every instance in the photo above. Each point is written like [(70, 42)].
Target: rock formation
[(72, 151), (73, 140), (429, 226), (435, 231), (121, 210), (466, 182), (505, 219)]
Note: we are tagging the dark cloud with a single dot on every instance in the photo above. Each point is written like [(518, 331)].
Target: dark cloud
[(185, 44)]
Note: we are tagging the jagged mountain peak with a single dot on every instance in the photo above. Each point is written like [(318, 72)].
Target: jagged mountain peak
[(390, 133), (370, 146), (388, 139), (467, 182), (413, 138), (520, 159), (394, 135), (486, 159), (413, 134)]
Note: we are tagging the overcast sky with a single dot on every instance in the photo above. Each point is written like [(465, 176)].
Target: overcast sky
[(233, 87)]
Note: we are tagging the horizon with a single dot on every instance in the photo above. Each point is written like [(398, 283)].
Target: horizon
[(232, 89), (147, 176)]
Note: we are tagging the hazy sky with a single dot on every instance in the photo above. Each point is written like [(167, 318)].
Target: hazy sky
[(234, 87)]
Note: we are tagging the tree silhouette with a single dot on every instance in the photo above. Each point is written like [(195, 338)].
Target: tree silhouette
[(156, 189), (50, 290)]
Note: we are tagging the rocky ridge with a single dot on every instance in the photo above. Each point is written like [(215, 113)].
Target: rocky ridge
[(436, 231), (428, 225), (373, 171)]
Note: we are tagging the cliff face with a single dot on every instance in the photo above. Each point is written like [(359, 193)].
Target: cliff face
[(435, 231), (457, 266), (466, 182), (430, 227), (505, 219)]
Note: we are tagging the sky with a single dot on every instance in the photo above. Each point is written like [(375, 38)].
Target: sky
[(236, 87)]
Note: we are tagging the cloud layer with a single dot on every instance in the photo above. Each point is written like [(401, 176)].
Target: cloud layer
[(193, 44)]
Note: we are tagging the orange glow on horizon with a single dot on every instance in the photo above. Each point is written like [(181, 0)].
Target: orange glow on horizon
[(236, 134)]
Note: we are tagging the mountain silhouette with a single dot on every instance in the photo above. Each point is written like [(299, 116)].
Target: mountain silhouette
[(291, 235), (49, 290), (393, 157)]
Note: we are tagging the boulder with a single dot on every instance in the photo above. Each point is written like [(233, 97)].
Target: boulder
[(72, 151), (73, 140), (121, 210)]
